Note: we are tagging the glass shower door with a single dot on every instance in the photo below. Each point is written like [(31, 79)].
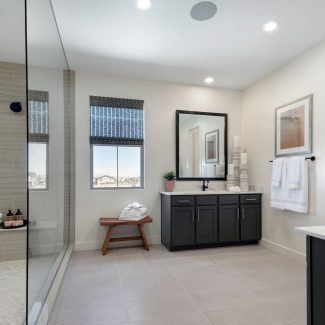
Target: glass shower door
[(48, 153)]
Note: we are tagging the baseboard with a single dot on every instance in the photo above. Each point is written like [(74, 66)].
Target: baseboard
[(300, 257), (93, 245)]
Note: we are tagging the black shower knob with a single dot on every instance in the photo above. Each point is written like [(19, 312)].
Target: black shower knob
[(16, 107)]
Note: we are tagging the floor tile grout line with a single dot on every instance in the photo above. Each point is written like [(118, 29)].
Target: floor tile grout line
[(188, 294), (122, 285), (177, 278)]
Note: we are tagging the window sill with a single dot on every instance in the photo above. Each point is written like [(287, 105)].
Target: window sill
[(101, 189)]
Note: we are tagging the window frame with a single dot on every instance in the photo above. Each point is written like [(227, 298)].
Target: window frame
[(47, 188), (40, 96), (141, 187)]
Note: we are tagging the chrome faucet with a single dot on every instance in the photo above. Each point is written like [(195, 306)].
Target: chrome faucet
[(205, 186)]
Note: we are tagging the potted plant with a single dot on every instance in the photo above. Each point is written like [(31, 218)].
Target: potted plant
[(169, 181)]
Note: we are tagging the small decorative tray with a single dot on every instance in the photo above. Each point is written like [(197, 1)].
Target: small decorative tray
[(12, 227)]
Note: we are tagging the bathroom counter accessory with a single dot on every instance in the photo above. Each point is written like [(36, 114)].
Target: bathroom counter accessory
[(111, 223)]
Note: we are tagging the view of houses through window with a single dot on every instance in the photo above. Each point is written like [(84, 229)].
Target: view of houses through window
[(116, 141), (37, 166), (116, 166)]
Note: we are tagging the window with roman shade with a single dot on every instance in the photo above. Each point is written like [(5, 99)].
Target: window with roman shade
[(116, 121), (38, 116), (38, 139), (116, 139)]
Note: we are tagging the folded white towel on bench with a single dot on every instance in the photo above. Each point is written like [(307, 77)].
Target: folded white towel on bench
[(134, 212)]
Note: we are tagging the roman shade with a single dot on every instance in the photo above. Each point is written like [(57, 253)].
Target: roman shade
[(116, 121), (38, 116)]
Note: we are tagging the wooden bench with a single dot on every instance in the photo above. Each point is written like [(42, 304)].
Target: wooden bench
[(114, 222)]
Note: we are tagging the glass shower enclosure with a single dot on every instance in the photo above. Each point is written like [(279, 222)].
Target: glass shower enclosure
[(36, 161), (50, 95)]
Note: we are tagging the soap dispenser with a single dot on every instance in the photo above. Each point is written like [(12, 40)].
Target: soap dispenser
[(18, 222), (18, 215), (10, 215)]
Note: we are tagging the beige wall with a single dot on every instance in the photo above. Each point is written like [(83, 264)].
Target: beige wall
[(13, 156), (161, 100), (303, 76)]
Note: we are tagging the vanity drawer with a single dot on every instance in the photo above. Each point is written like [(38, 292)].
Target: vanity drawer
[(182, 200), (249, 198), (229, 199), (206, 200)]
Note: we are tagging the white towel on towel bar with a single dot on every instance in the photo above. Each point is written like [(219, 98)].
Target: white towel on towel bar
[(297, 199), (294, 174), (277, 169), (279, 172)]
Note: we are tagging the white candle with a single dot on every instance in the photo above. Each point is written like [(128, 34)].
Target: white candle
[(236, 141), (231, 169), (243, 158)]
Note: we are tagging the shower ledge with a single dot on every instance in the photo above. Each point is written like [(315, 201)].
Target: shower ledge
[(13, 229)]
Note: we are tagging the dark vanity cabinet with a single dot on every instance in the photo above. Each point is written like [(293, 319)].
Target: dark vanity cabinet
[(183, 227), (229, 223), (190, 221), (206, 224)]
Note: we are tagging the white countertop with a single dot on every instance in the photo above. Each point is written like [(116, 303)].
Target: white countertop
[(314, 231), (208, 192)]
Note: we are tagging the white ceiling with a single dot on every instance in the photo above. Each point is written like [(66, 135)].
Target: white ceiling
[(164, 43), (12, 31)]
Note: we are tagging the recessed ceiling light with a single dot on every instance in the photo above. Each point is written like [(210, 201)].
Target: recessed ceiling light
[(270, 26), (208, 80), (204, 10), (144, 4)]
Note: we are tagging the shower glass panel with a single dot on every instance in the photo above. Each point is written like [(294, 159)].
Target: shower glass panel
[(48, 153), (13, 162)]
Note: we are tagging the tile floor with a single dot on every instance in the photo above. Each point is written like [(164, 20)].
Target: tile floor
[(244, 285)]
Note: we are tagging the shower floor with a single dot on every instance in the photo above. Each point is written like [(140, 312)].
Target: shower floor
[(12, 292)]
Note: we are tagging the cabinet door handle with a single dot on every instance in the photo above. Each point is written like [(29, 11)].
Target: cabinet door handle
[(250, 199), (183, 201), (238, 213), (193, 217), (243, 211), (198, 215)]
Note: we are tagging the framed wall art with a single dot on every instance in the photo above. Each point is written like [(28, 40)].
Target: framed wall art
[(293, 128), (212, 147)]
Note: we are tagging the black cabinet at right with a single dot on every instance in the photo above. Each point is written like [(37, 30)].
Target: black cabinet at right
[(250, 223)]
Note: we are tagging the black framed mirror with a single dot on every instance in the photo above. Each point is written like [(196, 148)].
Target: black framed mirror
[(201, 145)]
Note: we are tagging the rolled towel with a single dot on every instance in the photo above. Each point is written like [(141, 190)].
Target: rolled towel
[(135, 205)]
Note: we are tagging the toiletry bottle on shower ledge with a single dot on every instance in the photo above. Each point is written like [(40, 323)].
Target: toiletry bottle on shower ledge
[(10, 215), (18, 215), (9, 219), (19, 221)]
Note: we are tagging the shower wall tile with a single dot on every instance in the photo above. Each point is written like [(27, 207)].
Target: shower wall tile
[(13, 156), (69, 148)]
